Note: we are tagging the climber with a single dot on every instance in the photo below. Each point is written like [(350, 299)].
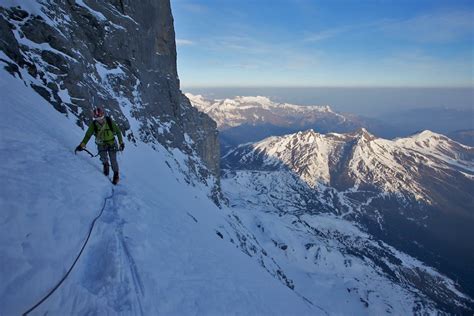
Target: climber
[(104, 130)]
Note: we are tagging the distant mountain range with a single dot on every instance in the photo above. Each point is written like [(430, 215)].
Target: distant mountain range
[(230, 113), (249, 119), (303, 224), (414, 193)]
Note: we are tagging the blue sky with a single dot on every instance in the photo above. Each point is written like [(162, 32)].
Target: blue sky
[(324, 43)]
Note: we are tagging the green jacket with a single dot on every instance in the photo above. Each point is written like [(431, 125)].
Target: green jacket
[(103, 134)]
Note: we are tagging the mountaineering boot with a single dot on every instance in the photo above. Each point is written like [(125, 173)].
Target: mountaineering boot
[(115, 180), (106, 169)]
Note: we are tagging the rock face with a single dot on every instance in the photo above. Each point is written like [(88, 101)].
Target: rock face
[(117, 54)]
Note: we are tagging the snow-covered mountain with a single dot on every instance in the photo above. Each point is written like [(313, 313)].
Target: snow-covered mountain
[(421, 185), (158, 243), (161, 246), (254, 110), (244, 118), (249, 119), (360, 160), (154, 249)]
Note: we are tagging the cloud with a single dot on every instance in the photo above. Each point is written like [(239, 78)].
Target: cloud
[(195, 8), (439, 27), (312, 37), (434, 27), (246, 45), (184, 42), (251, 53), (323, 35)]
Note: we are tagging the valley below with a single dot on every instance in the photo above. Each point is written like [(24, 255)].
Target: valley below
[(414, 194)]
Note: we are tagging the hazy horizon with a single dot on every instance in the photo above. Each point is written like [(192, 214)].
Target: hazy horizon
[(366, 101)]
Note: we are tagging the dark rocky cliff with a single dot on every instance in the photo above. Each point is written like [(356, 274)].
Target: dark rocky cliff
[(120, 54)]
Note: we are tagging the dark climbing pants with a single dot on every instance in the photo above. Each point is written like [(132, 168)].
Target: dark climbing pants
[(106, 151)]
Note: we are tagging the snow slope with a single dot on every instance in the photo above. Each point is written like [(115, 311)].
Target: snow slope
[(154, 250), (161, 247)]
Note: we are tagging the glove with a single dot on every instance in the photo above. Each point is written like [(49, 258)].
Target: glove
[(122, 146), (80, 147)]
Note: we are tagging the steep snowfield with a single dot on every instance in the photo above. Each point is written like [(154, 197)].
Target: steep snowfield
[(153, 251), (47, 196), (332, 261), (161, 247)]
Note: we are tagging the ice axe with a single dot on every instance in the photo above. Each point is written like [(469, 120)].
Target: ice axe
[(79, 148)]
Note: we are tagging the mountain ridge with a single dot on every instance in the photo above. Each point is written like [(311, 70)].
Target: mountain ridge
[(82, 54), (245, 119), (421, 185), (359, 140), (161, 245), (230, 113)]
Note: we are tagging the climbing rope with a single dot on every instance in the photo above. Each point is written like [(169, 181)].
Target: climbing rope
[(75, 261)]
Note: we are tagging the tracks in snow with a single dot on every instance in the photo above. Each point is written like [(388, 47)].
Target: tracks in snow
[(107, 268)]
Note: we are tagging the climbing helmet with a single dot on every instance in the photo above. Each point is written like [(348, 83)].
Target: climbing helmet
[(98, 114)]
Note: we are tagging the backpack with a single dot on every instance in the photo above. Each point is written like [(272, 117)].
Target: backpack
[(109, 123)]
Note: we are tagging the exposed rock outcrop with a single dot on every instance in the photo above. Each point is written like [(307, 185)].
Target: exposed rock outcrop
[(118, 54)]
